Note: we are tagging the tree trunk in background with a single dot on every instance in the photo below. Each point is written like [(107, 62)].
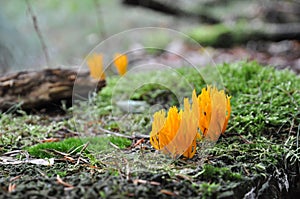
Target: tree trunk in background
[(213, 11), (172, 7), (276, 20)]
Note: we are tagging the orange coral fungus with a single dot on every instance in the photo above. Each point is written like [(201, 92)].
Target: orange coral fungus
[(177, 134), (95, 63), (121, 63), (214, 107)]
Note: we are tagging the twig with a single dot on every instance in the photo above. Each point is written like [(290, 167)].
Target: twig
[(277, 132), (81, 159), (51, 151), (70, 159), (15, 178), (38, 32), (114, 133), (297, 144), (113, 145), (292, 125), (13, 153), (83, 148), (42, 173), (245, 140), (140, 136), (49, 140), (140, 181), (127, 169), (60, 181), (140, 141), (11, 187), (167, 192), (184, 177), (298, 131), (136, 136)]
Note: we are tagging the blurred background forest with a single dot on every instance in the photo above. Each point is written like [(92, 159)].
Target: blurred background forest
[(266, 30)]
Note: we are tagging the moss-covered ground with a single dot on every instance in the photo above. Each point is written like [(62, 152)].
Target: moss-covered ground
[(257, 156)]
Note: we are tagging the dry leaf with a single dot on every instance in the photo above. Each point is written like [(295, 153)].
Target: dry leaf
[(50, 140), (167, 192), (9, 160)]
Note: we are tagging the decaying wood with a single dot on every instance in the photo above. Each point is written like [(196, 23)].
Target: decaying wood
[(38, 89)]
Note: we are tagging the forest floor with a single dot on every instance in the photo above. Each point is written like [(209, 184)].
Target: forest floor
[(95, 150)]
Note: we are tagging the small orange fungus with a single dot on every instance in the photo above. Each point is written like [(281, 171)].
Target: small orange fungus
[(121, 63), (95, 64), (178, 133), (214, 107)]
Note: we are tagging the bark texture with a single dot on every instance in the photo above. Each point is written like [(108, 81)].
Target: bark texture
[(38, 89)]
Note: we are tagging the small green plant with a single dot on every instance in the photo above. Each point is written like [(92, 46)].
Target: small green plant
[(209, 189), (213, 173), (61, 173)]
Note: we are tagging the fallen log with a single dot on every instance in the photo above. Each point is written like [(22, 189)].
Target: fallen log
[(44, 88), (172, 7)]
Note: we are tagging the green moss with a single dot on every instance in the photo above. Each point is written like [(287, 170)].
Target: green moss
[(209, 34), (61, 173), (222, 35), (209, 189), (102, 143), (102, 194), (263, 99), (96, 144), (154, 89), (212, 173), (21, 129), (64, 146), (120, 142)]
